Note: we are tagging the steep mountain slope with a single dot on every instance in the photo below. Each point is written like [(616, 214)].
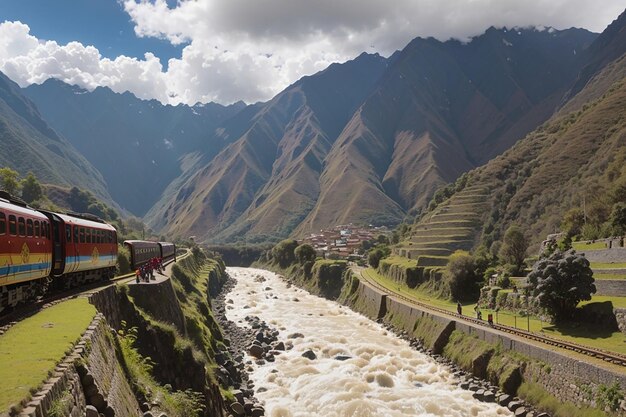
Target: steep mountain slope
[(580, 153), (370, 140), (27, 143), (136, 144), (267, 180), (440, 110)]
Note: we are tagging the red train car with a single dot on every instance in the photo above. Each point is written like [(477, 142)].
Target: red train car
[(25, 251), (84, 248), (39, 248)]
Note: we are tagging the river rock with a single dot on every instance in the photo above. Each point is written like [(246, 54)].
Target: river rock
[(256, 351), (489, 396), (521, 412), (342, 358), (279, 346), (257, 411), (514, 405), (309, 354), (295, 336), (504, 400), (91, 411), (238, 409)]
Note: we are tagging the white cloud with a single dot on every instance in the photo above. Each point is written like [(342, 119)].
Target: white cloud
[(250, 50)]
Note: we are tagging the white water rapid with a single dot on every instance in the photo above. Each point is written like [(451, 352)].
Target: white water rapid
[(383, 378)]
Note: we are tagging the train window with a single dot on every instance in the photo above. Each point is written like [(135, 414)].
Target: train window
[(82, 235), (21, 226), (88, 235), (37, 229), (75, 234), (99, 236), (68, 233), (29, 228), (12, 225), (3, 224)]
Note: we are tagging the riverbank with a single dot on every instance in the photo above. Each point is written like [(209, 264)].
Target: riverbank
[(336, 362), (553, 382)]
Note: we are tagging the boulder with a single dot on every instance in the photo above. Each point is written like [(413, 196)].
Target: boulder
[(504, 400), (309, 354), (295, 336), (91, 411), (237, 409), (256, 351), (521, 412)]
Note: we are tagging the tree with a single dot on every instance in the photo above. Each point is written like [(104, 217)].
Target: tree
[(283, 252), (462, 277), (514, 247), (560, 281), (618, 218), (374, 256), (9, 180), (31, 189), (573, 222), (305, 253)]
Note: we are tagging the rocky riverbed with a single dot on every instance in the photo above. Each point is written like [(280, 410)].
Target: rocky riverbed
[(306, 356)]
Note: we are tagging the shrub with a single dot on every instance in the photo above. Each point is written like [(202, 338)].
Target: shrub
[(305, 253), (123, 260), (560, 281), (462, 278), (283, 252), (374, 256)]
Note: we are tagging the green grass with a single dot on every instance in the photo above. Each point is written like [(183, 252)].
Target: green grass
[(32, 348), (591, 336), (536, 395), (607, 265), (610, 276), (582, 246)]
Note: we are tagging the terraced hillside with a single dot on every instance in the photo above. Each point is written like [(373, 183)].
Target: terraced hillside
[(454, 225)]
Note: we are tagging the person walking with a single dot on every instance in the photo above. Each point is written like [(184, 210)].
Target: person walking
[(459, 308)]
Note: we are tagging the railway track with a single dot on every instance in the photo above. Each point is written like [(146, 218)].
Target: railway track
[(610, 357)]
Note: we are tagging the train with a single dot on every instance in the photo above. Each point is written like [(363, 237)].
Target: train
[(42, 250), (141, 251)]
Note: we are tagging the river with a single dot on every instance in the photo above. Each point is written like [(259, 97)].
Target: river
[(384, 376)]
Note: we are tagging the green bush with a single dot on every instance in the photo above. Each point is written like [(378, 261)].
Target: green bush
[(462, 278), (123, 260)]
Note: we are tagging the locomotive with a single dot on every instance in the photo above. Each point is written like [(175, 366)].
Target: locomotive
[(41, 249)]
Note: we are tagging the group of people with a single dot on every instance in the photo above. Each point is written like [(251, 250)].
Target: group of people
[(479, 314), (146, 271)]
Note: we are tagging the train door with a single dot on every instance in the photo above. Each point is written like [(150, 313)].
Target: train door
[(58, 254), (71, 249)]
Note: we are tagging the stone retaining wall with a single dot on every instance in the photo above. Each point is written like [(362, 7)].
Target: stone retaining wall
[(567, 378), (611, 287), (89, 376), (620, 316)]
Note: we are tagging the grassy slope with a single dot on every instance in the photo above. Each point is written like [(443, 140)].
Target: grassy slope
[(32, 348)]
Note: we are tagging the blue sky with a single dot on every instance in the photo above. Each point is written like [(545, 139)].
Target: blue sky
[(188, 51), (101, 23)]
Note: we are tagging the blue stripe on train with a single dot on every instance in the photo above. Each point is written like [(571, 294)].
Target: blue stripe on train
[(101, 258), (5, 270)]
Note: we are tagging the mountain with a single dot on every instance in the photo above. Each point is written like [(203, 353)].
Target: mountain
[(267, 179), (370, 140), (135, 144), (577, 156), (28, 143)]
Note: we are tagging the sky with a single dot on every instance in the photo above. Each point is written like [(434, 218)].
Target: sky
[(190, 51)]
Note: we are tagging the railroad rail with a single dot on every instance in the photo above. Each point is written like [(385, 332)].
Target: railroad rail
[(610, 357)]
